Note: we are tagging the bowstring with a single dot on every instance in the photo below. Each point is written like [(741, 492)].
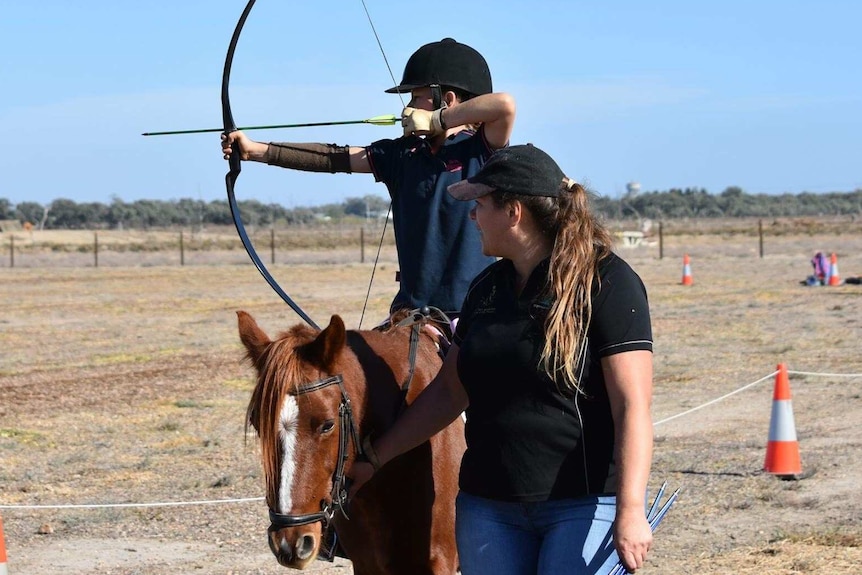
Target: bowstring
[(383, 52), (389, 209)]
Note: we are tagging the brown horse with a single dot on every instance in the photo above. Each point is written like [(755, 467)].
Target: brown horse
[(317, 394)]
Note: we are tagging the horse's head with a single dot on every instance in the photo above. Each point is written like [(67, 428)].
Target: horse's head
[(302, 415)]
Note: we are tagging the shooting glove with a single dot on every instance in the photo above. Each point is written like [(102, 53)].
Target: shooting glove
[(423, 122)]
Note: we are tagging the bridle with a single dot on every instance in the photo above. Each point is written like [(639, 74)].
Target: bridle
[(338, 496), (347, 431)]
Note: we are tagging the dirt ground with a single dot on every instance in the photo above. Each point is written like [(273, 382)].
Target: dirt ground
[(123, 391)]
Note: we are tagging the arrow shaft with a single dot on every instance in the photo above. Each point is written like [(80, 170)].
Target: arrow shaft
[(378, 121)]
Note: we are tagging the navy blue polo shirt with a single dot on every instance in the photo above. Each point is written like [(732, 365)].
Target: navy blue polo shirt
[(439, 247), (528, 437)]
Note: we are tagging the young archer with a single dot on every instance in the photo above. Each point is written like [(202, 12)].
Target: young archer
[(452, 124)]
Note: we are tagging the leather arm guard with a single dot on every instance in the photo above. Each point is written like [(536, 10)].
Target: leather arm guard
[(309, 157)]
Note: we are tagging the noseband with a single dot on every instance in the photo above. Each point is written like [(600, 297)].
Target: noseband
[(338, 496)]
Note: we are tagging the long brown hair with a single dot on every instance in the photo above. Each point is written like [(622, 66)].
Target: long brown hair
[(580, 242)]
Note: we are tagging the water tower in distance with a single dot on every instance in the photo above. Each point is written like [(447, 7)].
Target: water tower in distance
[(635, 238)]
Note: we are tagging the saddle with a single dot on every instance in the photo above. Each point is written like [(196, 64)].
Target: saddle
[(439, 325)]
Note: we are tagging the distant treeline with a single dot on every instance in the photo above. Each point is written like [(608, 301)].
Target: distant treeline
[(657, 205)]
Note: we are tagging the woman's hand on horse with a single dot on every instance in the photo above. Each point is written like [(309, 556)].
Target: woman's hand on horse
[(360, 473)]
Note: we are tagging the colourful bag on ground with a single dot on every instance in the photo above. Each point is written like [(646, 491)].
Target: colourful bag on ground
[(822, 267)]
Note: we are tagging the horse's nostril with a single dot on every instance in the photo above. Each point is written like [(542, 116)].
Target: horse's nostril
[(305, 546), (280, 548)]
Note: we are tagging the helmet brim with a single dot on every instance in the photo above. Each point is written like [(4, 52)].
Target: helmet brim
[(403, 88)]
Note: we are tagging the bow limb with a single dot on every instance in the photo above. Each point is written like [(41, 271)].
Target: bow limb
[(235, 168)]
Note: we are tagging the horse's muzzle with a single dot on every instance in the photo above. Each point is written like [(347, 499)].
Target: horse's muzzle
[(295, 553)]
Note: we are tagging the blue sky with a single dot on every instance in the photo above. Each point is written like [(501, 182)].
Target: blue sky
[(764, 95)]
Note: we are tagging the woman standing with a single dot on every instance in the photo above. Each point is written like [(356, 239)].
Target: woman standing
[(552, 361)]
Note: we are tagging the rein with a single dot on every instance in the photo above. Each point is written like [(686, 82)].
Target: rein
[(338, 495), (418, 318)]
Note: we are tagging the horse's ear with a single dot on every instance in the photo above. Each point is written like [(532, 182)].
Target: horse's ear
[(252, 337), (326, 347)]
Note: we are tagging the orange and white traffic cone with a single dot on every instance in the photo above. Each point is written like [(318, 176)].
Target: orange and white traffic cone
[(687, 280), (2, 549), (834, 278), (782, 451)]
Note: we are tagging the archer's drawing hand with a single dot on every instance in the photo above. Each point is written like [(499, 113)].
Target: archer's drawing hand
[(422, 122), (248, 148)]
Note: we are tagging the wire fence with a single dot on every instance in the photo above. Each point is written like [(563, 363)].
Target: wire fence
[(118, 248), (349, 243), (685, 413)]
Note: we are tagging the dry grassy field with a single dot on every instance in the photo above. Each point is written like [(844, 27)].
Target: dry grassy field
[(123, 387)]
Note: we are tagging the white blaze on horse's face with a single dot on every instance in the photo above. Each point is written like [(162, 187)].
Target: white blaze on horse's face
[(289, 426)]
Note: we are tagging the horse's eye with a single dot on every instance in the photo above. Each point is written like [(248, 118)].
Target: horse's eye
[(327, 426)]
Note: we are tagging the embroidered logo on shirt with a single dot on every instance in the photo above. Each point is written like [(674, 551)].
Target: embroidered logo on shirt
[(487, 303)]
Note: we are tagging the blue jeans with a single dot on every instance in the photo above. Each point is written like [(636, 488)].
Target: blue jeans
[(567, 537)]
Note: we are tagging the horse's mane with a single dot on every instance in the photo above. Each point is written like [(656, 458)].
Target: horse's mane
[(280, 368)]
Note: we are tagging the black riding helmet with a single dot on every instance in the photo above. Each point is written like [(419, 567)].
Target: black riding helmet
[(446, 63)]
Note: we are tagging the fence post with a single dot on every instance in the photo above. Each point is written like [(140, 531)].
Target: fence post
[(660, 241), (11, 250), (760, 235), (362, 245), (272, 246), (96, 249), (182, 250)]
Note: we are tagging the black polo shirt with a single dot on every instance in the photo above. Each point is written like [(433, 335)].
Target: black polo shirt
[(439, 247), (528, 439)]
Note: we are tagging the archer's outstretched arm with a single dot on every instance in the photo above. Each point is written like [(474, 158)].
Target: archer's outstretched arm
[(306, 157)]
